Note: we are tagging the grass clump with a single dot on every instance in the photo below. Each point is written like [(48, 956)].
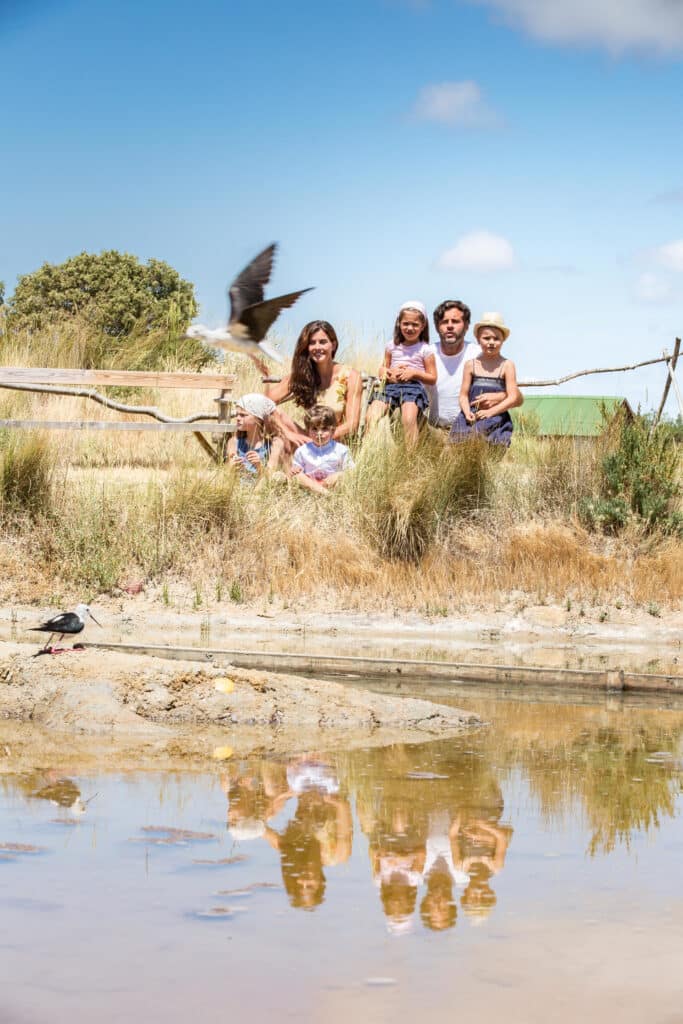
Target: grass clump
[(403, 495), (28, 465)]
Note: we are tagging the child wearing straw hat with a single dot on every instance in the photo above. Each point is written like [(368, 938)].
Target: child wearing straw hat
[(488, 374)]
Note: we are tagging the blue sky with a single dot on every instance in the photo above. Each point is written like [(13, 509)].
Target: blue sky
[(524, 155)]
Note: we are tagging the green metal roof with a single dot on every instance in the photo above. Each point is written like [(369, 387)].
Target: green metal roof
[(567, 415)]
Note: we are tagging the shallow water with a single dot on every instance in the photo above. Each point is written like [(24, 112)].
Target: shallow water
[(530, 870)]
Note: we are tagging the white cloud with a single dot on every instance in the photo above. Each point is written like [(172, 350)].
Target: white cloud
[(479, 250), (453, 103), (618, 25), (670, 255), (652, 288)]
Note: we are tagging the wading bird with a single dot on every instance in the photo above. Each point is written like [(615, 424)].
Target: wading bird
[(66, 622), (250, 316)]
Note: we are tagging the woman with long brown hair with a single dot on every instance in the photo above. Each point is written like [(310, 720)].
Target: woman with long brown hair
[(315, 378)]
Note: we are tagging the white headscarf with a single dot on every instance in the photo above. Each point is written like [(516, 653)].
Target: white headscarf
[(414, 304), (256, 405)]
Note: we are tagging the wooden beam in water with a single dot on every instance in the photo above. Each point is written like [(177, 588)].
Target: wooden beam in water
[(395, 668)]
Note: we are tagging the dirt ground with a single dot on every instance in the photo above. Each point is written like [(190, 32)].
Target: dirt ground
[(216, 710)]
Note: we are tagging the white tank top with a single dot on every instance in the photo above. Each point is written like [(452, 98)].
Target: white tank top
[(444, 396)]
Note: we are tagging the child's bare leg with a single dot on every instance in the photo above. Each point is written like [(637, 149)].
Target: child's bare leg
[(409, 413), (375, 412)]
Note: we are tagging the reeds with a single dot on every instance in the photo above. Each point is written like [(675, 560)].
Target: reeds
[(434, 527)]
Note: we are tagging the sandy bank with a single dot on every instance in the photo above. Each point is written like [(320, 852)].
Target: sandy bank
[(518, 632), (146, 699)]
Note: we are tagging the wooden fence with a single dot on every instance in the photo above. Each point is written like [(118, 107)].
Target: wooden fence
[(85, 384)]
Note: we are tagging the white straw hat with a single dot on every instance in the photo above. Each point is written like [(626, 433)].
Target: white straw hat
[(492, 320)]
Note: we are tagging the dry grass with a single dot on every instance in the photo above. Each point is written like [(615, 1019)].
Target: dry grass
[(441, 528)]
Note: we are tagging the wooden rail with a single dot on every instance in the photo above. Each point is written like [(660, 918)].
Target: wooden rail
[(213, 426), (116, 378), (81, 383)]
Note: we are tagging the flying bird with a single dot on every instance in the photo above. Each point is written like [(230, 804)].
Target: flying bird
[(250, 315), (66, 622)]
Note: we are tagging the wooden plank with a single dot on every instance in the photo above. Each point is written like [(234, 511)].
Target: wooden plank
[(394, 668), (211, 426), (116, 378)]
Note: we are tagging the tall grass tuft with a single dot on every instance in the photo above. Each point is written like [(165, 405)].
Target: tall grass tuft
[(193, 501), (402, 495), (28, 464)]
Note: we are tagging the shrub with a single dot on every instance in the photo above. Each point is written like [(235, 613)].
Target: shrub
[(113, 291), (639, 478)]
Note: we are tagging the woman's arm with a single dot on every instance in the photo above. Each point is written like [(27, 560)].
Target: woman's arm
[(351, 419), (281, 391), (385, 372)]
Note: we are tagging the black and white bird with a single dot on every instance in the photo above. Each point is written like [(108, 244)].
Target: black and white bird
[(70, 623), (250, 316)]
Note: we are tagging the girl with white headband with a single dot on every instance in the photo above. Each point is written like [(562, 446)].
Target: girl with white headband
[(409, 364), (250, 450)]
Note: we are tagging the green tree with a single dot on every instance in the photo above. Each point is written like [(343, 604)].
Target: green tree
[(2, 293), (113, 291)]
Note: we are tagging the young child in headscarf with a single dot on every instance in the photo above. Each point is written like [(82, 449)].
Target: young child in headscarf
[(409, 364), (250, 450)]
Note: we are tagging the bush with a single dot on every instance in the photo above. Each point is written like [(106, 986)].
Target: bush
[(639, 478), (113, 292)]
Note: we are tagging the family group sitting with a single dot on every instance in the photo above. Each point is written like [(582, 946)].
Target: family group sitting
[(464, 387)]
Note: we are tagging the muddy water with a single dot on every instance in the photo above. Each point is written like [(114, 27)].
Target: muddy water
[(529, 871)]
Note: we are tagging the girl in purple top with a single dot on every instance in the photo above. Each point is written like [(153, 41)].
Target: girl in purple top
[(409, 364)]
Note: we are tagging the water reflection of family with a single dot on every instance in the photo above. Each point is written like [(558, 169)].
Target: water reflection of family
[(434, 840), (319, 833), (460, 387)]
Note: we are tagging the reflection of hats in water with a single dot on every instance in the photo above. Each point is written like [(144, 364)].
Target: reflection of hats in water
[(399, 925), (307, 775), (256, 405), (247, 829), (492, 320)]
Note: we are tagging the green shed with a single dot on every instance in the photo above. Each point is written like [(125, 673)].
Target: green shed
[(567, 415)]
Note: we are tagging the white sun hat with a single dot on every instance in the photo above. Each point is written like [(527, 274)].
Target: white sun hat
[(492, 320)]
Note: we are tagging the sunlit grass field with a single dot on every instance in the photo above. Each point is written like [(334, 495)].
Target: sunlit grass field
[(438, 529)]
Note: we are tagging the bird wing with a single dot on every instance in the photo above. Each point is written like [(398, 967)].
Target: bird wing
[(59, 621), (258, 318), (247, 288)]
